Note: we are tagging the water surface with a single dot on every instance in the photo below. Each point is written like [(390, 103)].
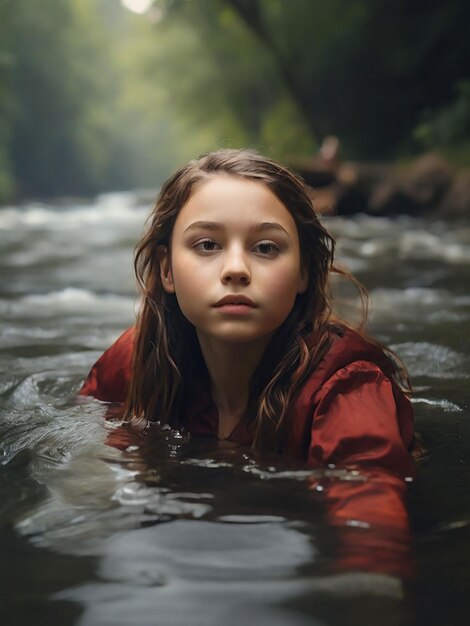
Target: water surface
[(171, 532)]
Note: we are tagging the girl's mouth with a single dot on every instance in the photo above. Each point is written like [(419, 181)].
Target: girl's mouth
[(235, 309), (235, 300), (235, 304)]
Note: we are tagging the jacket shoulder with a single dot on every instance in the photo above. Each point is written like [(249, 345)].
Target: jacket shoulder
[(351, 352), (347, 346), (110, 376)]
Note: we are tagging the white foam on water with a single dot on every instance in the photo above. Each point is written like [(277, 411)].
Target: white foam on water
[(67, 300), (435, 361), (413, 296), (445, 405), (408, 238), (107, 209), (424, 245), (431, 305)]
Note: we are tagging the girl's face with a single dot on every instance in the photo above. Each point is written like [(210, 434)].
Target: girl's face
[(235, 263)]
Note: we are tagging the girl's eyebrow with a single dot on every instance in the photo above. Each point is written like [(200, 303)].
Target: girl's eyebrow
[(218, 226), (205, 226)]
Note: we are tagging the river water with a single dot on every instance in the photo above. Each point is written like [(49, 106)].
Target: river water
[(166, 532)]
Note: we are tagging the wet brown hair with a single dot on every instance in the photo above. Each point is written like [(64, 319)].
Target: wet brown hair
[(168, 367)]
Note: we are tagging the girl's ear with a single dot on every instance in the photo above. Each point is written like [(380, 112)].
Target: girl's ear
[(166, 275)]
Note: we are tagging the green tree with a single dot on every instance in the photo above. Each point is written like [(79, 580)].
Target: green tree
[(362, 70), (221, 86), (94, 97), (55, 131)]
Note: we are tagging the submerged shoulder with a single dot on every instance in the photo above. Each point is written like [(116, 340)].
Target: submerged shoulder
[(110, 376)]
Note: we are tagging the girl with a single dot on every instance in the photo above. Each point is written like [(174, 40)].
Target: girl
[(236, 338)]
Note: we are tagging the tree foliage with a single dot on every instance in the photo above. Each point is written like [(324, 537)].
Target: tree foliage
[(53, 125), (63, 126), (94, 97), (363, 70)]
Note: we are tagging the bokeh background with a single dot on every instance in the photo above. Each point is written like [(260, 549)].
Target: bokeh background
[(99, 95)]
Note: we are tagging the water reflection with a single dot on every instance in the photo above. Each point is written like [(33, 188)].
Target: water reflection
[(207, 530)]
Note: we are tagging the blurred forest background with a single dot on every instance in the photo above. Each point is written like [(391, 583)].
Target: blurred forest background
[(108, 94)]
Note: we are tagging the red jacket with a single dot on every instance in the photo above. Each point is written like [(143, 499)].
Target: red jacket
[(349, 412)]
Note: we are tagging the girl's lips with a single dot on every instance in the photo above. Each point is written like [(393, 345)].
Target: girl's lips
[(234, 300), (235, 309)]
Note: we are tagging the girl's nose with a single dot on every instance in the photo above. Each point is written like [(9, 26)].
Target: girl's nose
[(236, 268)]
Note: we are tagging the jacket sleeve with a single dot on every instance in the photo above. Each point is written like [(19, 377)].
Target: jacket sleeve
[(110, 376), (361, 420), (370, 521)]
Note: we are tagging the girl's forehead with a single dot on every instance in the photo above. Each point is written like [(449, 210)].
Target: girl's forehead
[(232, 200), (217, 185)]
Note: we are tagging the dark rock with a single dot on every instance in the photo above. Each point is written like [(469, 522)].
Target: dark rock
[(428, 185), (427, 181), (416, 190), (354, 184), (456, 201)]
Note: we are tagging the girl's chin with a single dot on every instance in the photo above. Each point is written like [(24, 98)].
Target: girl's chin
[(235, 338)]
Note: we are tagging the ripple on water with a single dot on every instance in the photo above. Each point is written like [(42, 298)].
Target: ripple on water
[(407, 238), (67, 300), (107, 210), (432, 360), (446, 405), (426, 304), (205, 573), (440, 246)]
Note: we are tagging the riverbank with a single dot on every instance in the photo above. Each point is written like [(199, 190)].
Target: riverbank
[(427, 186)]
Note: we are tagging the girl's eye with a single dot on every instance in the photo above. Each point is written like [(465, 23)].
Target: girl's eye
[(267, 248), (206, 245)]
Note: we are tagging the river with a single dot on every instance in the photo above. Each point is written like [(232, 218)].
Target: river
[(171, 534)]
